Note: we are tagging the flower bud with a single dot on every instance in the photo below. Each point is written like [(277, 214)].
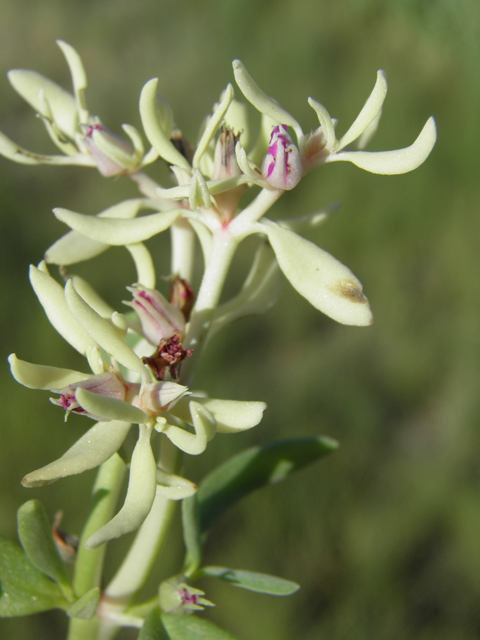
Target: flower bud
[(113, 154), (225, 165), (105, 384), (161, 396), (282, 166), (159, 318)]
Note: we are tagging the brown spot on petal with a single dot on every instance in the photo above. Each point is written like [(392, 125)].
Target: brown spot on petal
[(350, 290)]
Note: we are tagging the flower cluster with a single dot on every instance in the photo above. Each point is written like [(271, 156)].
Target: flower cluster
[(145, 381)]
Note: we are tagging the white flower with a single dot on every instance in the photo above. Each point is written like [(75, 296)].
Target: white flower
[(82, 139), (118, 399), (322, 145)]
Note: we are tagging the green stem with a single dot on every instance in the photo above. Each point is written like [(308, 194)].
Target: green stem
[(89, 563)]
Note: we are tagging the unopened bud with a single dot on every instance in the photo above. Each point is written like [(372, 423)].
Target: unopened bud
[(159, 318), (282, 166), (113, 154)]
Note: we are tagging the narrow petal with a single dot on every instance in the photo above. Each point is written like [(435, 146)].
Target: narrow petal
[(74, 247), (143, 264), (37, 376), (370, 111), (153, 127), (109, 408), (30, 85), (261, 101), (213, 124), (324, 281), (193, 443), (198, 194), (51, 296), (88, 293), (115, 231), (174, 487), (393, 162), (259, 293), (79, 78), (16, 153), (141, 491), (95, 447), (326, 122), (233, 415), (103, 332)]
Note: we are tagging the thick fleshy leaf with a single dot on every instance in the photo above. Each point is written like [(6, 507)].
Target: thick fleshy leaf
[(393, 162), (74, 247), (369, 112), (259, 582), (103, 331), (24, 589), (30, 85), (109, 408), (52, 298), (261, 101), (240, 475), (324, 281), (35, 534), (95, 447), (142, 486), (153, 127), (192, 628), (37, 376), (153, 628), (116, 231), (86, 606)]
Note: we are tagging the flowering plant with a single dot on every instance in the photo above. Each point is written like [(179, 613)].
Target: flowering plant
[(142, 362)]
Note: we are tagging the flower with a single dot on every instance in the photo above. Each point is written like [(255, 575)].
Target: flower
[(322, 145), (82, 139), (121, 390)]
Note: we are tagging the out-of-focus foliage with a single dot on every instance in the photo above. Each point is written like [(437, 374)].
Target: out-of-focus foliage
[(382, 536)]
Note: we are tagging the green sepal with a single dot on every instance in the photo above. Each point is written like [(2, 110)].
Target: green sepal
[(192, 628), (23, 588), (237, 477), (86, 606), (250, 580), (153, 628), (35, 534)]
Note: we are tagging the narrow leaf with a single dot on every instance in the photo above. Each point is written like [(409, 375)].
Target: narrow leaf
[(35, 535), (153, 628), (259, 582), (193, 628), (239, 476), (23, 588)]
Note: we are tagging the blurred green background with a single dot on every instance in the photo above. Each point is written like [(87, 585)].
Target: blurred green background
[(383, 535)]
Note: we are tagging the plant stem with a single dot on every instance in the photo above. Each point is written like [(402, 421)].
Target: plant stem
[(89, 563)]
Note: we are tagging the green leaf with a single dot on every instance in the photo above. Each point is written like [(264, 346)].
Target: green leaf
[(240, 475), (23, 588), (153, 628), (86, 606), (36, 538), (259, 582), (191, 532), (192, 628)]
